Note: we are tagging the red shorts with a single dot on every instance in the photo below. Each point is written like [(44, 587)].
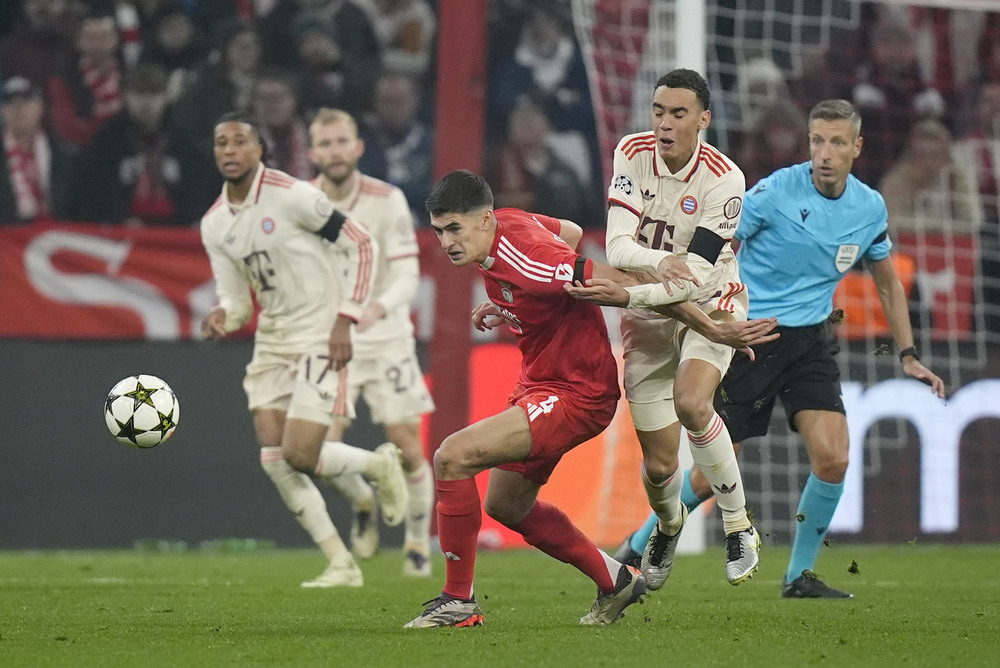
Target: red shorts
[(559, 422)]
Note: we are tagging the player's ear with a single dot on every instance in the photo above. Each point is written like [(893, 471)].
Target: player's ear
[(706, 118)]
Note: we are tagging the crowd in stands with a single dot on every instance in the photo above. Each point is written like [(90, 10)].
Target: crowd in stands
[(108, 105)]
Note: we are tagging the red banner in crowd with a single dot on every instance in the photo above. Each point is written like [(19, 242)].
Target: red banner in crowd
[(84, 281)]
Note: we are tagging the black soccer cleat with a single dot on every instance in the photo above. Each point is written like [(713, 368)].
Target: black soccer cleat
[(808, 585), (626, 555)]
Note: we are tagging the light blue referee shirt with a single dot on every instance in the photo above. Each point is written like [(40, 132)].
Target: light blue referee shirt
[(796, 244)]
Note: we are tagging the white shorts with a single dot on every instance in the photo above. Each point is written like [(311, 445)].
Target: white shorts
[(299, 384), (392, 384), (653, 349)]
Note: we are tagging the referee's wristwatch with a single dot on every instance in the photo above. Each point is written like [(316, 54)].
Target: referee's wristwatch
[(909, 352)]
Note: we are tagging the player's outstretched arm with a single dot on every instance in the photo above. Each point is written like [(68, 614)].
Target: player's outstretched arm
[(340, 342), (739, 334), (894, 305), (570, 232)]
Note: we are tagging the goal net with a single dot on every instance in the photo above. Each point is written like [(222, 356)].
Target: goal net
[(768, 61)]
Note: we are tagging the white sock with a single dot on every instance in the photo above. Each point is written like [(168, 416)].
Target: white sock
[(665, 500), (420, 485), (300, 494), (712, 451), (337, 459), (355, 489)]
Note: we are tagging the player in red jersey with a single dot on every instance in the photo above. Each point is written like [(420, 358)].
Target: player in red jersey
[(566, 394)]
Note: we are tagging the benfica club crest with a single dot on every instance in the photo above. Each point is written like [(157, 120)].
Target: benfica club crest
[(505, 290)]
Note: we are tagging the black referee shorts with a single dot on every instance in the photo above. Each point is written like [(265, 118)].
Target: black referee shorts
[(799, 368)]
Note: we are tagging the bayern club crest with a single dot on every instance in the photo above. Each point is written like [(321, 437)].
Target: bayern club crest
[(689, 204), (267, 225)]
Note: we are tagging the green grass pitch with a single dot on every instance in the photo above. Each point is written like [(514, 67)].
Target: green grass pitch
[(914, 605)]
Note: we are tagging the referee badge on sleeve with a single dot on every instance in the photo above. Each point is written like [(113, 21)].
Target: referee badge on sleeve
[(847, 255)]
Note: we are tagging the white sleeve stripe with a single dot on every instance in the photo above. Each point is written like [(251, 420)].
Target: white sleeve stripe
[(528, 272), (524, 259)]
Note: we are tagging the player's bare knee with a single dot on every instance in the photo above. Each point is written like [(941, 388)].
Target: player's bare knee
[(502, 512), (300, 459), (693, 412), (449, 461), (659, 469), (831, 469)]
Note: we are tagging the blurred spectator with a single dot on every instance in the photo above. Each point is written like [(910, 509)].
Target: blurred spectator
[(334, 42), (141, 169), (547, 68), (777, 140), (399, 146), (35, 166), (87, 92), (934, 218), (41, 41), (172, 40), (927, 190), (988, 48), (276, 106), (405, 30), (980, 150), (527, 174), (891, 95), (760, 85), (222, 84)]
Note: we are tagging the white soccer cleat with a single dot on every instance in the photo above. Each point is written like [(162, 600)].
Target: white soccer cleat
[(742, 555), (658, 557), (630, 587), (364, 534), (390, 485), (445, 611), (342, 571)]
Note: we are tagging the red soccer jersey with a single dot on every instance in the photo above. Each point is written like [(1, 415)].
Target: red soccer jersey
[(563, 341)]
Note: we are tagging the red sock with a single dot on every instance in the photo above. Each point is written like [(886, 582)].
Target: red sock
[(459, 517), (551, 531)]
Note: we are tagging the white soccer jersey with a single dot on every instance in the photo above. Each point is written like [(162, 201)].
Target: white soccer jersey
[(383, 210), (270, 244), (654, 213)]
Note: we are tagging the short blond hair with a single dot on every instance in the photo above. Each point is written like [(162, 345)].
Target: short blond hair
[(327, 116)]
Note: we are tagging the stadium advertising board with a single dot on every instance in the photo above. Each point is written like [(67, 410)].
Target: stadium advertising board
[(92, 282)]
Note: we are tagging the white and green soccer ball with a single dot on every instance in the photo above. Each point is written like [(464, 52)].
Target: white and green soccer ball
[(141, 411)]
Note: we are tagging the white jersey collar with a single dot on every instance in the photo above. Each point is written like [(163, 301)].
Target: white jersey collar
[(252, 196), (684, 173)]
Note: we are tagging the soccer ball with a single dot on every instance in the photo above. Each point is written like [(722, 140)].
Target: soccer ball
[(141, 411)]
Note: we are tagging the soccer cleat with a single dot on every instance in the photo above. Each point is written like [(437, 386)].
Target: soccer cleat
[(446, 611), (417, 562), (658, 557), (364, 534), (341, 572), (626, 555), (808, 585), (391, 485), (630, 587), (742, 555)]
